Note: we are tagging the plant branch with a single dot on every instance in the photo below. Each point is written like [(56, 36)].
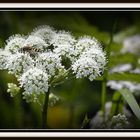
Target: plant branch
[(108, 50), (45, 110)]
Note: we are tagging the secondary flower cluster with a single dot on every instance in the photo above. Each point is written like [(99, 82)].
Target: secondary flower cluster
[(41, 57), (120, 84), (119, 121), (131, 45)]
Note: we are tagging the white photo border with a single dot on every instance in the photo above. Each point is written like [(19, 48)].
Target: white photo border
[(67, 7)]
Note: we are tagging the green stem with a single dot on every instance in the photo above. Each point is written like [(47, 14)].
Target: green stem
[(71, 116), (108, 49), (103, 98), (45, 109)]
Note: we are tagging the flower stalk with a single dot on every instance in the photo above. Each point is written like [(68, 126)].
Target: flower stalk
[(104, 82), (103, 98), (45, 110)]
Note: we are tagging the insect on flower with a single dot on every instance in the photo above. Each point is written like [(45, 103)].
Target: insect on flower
[(30, 50)]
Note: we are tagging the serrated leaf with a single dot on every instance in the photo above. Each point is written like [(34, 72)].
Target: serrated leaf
[(130, 99), (132, 77)]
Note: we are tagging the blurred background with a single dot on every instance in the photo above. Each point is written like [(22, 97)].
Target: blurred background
[(78, 97)]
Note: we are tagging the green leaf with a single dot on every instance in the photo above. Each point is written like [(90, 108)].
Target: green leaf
[(85, 121), (1, 43), (99, 78), (116, 47), (130, 99), (123, 59), (117, 105), (132, 77)]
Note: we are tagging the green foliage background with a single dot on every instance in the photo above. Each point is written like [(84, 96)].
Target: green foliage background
[(79, 97)]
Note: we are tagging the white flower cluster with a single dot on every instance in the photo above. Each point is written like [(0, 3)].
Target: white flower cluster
[(97, 122), (14, 43), (19, 63), (17, 42), (131, 45), (117, 85), (50, 63), (136, 71), (13, 89), (36, 42), (85, 43), (64, 44), (53, 99), (45, 32), (121, 68), (40, 58), (139, 61), (4, 55), (34, 81), (91, 61), (119, 121)]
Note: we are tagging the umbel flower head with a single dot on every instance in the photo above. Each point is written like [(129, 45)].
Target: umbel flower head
[(4, 56), (91, 60), (34, 80), (47, 57), (19, 63), (50, 62), (14, 42)]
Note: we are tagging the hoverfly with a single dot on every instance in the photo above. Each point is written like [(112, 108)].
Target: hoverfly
[(30, 50)]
